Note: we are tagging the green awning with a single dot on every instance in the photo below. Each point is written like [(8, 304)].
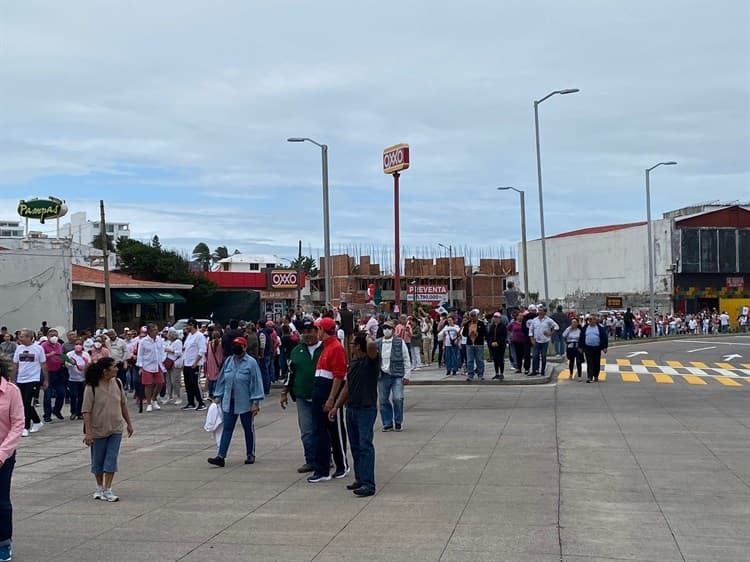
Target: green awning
[(163, 296), (131, 297)]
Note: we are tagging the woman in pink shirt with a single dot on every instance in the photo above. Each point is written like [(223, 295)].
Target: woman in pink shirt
[(100, 349), (214, 361), (11, 428)]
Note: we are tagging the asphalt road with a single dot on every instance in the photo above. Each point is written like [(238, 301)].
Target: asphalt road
[(573, 472)]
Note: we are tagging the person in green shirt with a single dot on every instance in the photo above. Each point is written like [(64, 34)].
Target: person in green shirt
[(303, 361)]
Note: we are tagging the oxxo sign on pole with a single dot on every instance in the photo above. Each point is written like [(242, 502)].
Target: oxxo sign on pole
[(395, 159)]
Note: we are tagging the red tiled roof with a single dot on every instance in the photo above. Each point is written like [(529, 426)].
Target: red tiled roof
[(91, 277), (598, 229)]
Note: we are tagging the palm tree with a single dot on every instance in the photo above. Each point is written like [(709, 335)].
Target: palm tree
[(202, 255), (220, 253), (306, 264)]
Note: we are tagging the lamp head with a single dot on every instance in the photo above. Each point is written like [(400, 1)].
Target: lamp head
[(670, 163), (568, 91), (296, 139)]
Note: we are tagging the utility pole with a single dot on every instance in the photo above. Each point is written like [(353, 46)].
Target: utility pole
[(105, 251), (299, 276)]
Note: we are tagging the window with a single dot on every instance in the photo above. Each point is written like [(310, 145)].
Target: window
[(270, 265), (727, 250), (110, 228), (690, 250), (709, 250), (225, 267), (743, 239), (254, 267)]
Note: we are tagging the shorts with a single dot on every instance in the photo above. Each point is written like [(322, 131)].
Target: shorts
[(104, 453), (148, 377)]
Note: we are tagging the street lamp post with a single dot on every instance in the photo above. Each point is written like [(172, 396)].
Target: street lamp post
[(326, 214), (539, 180), (652, 310), (522, 195), (449, 247)]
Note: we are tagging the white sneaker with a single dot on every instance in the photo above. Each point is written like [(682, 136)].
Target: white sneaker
[(36, 427), (156, 405), (149, 408), (25, 433), (177, 401), (163, 400), (108, 496), (99, 495)]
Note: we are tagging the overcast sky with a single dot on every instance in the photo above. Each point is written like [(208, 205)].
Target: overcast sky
[(176, 113)]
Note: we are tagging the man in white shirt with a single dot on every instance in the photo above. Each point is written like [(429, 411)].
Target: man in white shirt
[(150, 361), (395, 366), (31, 366), (193, 352), (541, 329), (118, 350), (724, 322)]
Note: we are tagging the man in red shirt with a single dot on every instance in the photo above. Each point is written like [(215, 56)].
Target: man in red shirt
[(328, 436), (58, 376)]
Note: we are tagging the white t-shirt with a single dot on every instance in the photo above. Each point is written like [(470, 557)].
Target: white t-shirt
[(541, 329), (29, 359), (724, 318)]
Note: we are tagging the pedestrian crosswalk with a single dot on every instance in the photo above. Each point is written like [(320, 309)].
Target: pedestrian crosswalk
[(696, 373)]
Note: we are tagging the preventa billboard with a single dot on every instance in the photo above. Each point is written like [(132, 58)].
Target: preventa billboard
[(428, 294)]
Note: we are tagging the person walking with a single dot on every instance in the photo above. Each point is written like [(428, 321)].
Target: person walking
[(497, 340), (12, 419), (517, 341), (428, 335), (450, 339), (150, 361), (173, 364), (105, 416), (303, 361), (215, 359), (593, 340), (527, 345), (193, 352), (572, 337), (558, 341), (58, 376), (394, 374), (360, 394), (541, 330), (78, 362), (416, 343), (31, 366), (475, 332), (239, 391)]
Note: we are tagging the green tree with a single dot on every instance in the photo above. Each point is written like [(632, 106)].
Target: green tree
[(202, 254), (306, 264), (97, 243), (220, 253), (155, 242)]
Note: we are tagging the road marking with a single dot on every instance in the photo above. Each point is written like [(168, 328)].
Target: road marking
[(669, 371), (725, 365), (746, 365), (692, 379), (699, 364), (623, 362), (640, 369), (726, 373), (716, 342), (603, 362), (649, 363), (663, 379), (629, 377), (702, 349), (602, 377), (699, 372), (634, 353), (726, 381), (674, 363)]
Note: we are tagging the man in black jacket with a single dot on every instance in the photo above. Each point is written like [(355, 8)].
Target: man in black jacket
[(593, 341), (525, 321), (497, 338)]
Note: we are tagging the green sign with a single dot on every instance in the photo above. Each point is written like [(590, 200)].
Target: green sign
[(42, 209)]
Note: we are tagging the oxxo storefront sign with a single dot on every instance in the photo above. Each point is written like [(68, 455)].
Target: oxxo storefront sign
[(42, 209), (283, 279), (395, 158), (428, 294)]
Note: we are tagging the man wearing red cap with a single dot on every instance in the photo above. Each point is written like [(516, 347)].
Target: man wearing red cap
[(328, 436)]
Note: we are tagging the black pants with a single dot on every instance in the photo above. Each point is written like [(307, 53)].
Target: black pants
[(498, 357), (327, 436), (194, 394), (575, 359), (6, 508), (593, 362), (27, 395), (519, 350), (526, 354)]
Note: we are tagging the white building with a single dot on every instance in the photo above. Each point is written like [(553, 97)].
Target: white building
[(242, 263), (11, 229), (82, 232)]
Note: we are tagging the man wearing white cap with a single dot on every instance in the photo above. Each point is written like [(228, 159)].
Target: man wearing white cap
[(540, 331)]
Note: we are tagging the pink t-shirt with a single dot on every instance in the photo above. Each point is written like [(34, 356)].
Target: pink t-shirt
[(54, 362)]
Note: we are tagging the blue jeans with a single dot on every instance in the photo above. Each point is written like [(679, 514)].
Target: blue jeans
[(104, 453), (76, 397), (6, 507), (56, 387), (305, 421), (267, 372), (391, 409), (230, 420), (359, 426), (558, 343), (475, 361), (540, 353), (629, 332), (452, 359)]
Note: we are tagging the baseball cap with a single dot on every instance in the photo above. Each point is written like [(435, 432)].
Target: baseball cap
[(326, 324), (241, 340), (497, 315), (388, 324), (308, 325)]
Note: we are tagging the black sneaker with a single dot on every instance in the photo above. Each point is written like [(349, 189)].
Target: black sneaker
[(216, 461), (201, 407), (497, 378), (354, 485), (58, 415), (315, 478), (364, 492), (305, 468), (387, 428), (250, 460), (588, 380), (47, 420), (340, 473), (398, 427), (188, 407)]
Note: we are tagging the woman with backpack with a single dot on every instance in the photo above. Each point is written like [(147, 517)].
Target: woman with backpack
[(105, 416)]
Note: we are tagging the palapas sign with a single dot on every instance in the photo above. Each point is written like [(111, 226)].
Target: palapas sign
[(42, 209)]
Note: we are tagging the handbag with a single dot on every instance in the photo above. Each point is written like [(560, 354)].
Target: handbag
[(168, 364)]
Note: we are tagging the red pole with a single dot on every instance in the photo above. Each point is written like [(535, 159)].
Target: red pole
[(397, 269)]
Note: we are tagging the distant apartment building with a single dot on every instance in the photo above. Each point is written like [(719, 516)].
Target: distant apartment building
[(82, 232)]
